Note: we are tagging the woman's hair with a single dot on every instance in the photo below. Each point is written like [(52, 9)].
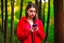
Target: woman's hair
[(30, 4)]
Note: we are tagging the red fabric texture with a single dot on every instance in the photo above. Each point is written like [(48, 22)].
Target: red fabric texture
[(24, 34)]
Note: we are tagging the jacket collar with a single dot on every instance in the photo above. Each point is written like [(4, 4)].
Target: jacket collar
[(25, 19)]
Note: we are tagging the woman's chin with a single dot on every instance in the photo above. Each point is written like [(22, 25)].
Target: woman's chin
[(32, 17)]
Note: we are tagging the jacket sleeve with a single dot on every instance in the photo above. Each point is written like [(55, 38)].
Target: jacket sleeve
[(20, 33), (40, 32)]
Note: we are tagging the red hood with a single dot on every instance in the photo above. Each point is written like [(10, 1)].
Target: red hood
[(25, 19)]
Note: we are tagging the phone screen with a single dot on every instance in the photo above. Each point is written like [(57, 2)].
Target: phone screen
[(34, 25)]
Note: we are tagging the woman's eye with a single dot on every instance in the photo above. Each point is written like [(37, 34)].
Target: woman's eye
[(34, 11), (31, 11)]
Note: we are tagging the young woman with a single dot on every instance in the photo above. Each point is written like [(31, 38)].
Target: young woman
[(30, 28)]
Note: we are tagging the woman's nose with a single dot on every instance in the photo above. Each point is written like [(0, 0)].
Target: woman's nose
[(33, 13)]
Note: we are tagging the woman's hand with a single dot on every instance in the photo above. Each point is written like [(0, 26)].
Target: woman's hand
[(32, 29), (36, 28)]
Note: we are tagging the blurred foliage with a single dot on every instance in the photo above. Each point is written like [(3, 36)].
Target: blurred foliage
[(16, 19)]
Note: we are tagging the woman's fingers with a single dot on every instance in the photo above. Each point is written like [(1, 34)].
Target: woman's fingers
[(33, 28)]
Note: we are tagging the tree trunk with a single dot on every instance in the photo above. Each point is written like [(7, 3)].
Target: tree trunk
[(2, 15), (6, 24), (21, 6), (44, 13), (58, 21), (39, 11), (12, 20), (48, 18)]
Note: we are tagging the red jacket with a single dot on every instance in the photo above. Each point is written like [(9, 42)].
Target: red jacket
[(24, 34)]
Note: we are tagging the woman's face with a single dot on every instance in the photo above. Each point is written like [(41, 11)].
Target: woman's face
[(31, 12)]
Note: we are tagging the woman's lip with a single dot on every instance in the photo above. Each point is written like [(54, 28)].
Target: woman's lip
[(32, 15)]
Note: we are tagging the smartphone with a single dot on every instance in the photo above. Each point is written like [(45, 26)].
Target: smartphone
[(34, 25)]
